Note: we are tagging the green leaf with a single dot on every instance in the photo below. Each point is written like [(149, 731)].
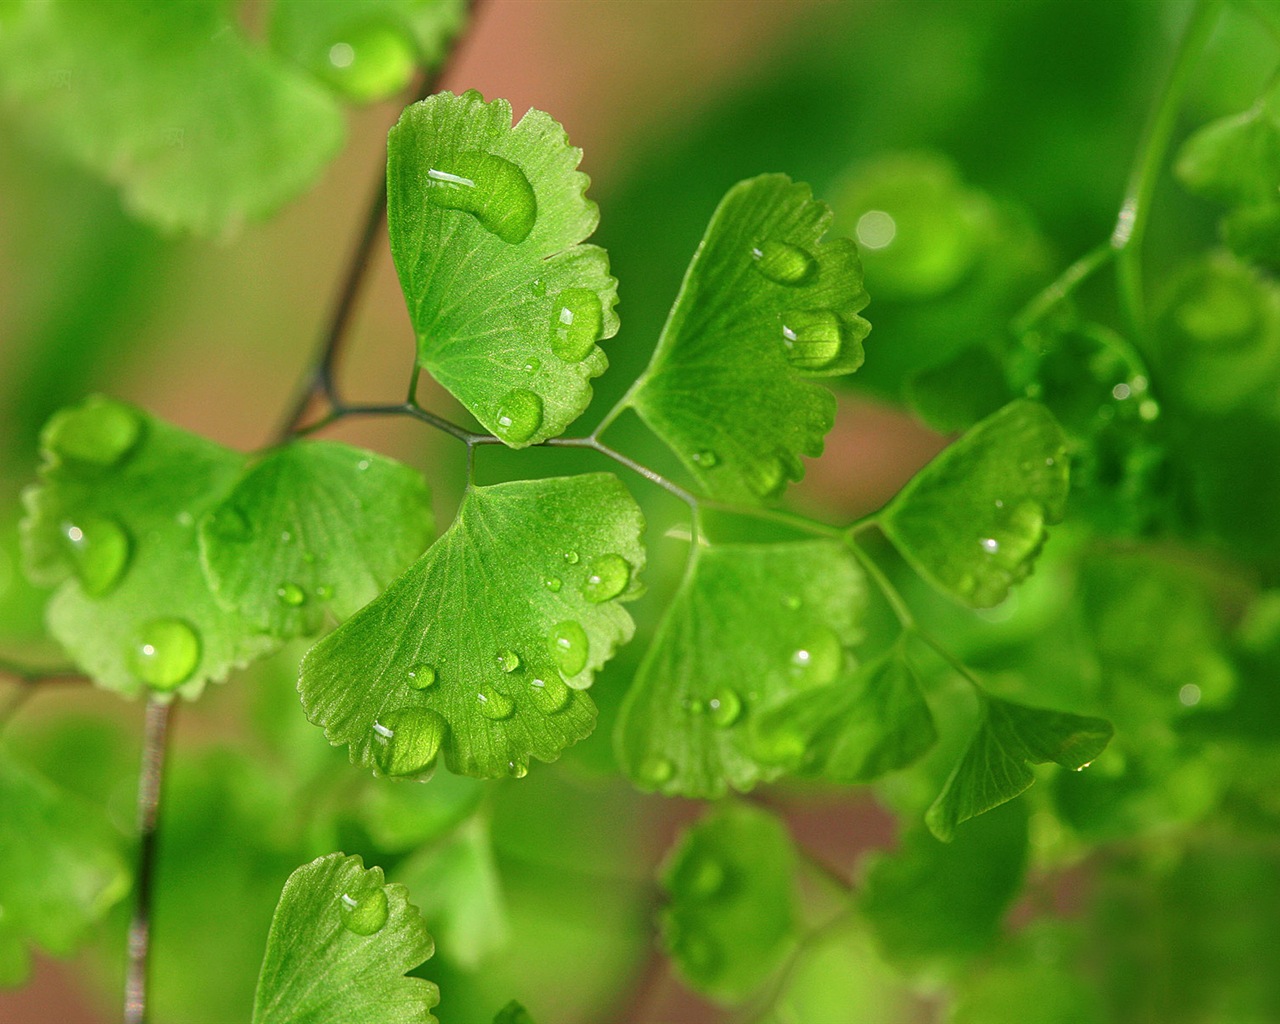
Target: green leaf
[(400, 819), (973, 520), (61, 865), (471, 649), (764, 305), (731, 918), (341, 942), (113, 524), (1236, 160), (170, 103), (996, 767), (513, 1013), (751, 625), (315, 524), (485, 223), (366, 49), (929, 900), (854, 730)]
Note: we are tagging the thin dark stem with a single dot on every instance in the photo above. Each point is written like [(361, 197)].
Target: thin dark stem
[(155, 746)]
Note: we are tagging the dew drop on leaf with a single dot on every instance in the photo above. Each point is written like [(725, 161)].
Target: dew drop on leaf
[(706, 458), (765, 476), (166, 653), (656, 770), (519, 415), (532, 365), (495, 705), (422, 676), (508, 660), (817, 658), (291, 594), (990, 545), (607, 578), (98, 431), (99, 549), (576, 324), (569, 647), (553, 584), (725, 707), (364, 915), (406, 741), (324, 592), (517, 769), (550, 695), (783, 263), (493, 190), (812, 338), (571, 557)]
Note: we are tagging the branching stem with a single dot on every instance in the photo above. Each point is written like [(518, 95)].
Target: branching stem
[(1061, 288)]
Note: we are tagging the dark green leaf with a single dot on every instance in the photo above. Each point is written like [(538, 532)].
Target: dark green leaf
[(483, 647), (341, 942), (765, 304), (485, 223), (973, 520)]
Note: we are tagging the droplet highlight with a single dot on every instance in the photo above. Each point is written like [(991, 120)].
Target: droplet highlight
[(569, 647), (817, 658), (518, 416), (607, 577), (577, 321), (165, 653), (493, 190), (725, 708), (783, 263), (99, 550), (291, 595)]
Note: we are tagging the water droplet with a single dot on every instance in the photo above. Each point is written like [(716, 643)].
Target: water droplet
[(422, 676), (323, 592), (783, 263), (576, 324), (876, 229), (725, 707), (656, 770), (365, 914), (362, 466), (550, 695), (291, 594), (508, 661), (571, 557), (1149, 409), (569, 647), (1189, 695), (706, 458), (766, 476), (990, 545), (999, 503), (813, 338), (407, 740), (495, 705), (286, 536), (518, 416), (493, 190), (607, 578), (538, 287), (1121, 391), (517, 769), (99, 549), (817, 658), (532, 365), (166, 653), (553, 584), (99, 431)]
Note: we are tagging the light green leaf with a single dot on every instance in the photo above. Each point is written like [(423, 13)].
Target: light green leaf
[(973, 520), (482, 648), (341, 942), (400, 819), (750, 626), (366, 49), (765, 304), (731, 918), (485, 223), (456, 884), (996, 767), (315, 524), (169, 102), (113, 523), (854, 730), (61, 865)]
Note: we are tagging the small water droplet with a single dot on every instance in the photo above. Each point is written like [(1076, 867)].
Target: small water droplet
[(553, 584), (569, 647), (493, 190), (1189, 695), (407, 740), (99, 549), (291, 594), (783, 263), (362, 466), (1121, 391), (607, 578), (571, 557), (532, 365), (990, 545), (706, 458), (538, 287), (725, 707), (166, 653), (812, 338), (766, 476), (495, 705), (518, 416), (517, 769), (365, 914), (550, 695), (508, 660), (999, 503), (422, 676), (1148, 409), (816, 659), (323, 592), (576, 324), (99, 431), (286, 536), (656, 770)]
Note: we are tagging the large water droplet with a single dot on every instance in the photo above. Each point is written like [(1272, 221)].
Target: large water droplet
[(495, 705), (576, 323), (365, 914), (166, 653), (569, 647), (491, 189), (550, 695), (291, 594), (656, 770), (783, 263), (99, 549), (813, 338), (816, 659), (422, 676), (98, 431), (407, 740), (518, 416), (725, 707), (517, 769), (508, 660), (607, 578)]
